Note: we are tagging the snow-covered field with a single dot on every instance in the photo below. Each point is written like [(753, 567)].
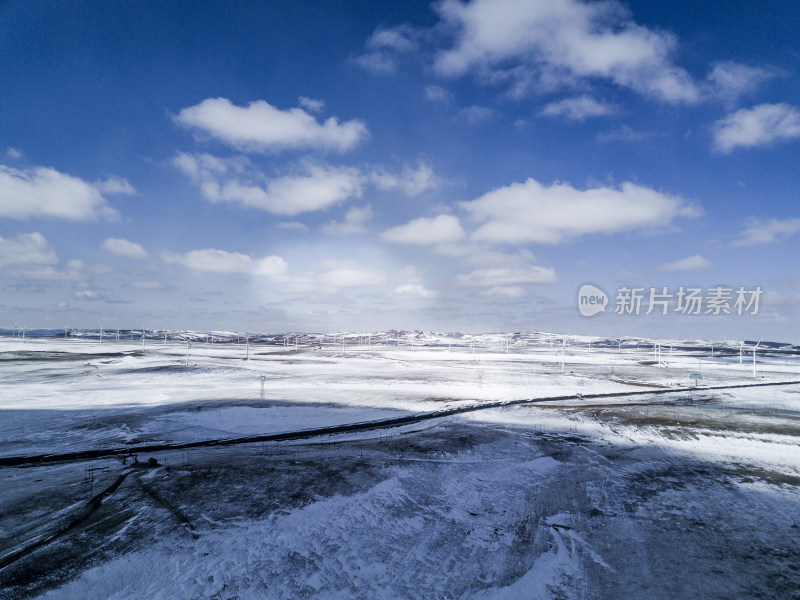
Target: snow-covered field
[(686, 494)]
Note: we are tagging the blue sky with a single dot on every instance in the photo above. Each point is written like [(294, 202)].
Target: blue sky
[(449, 166)]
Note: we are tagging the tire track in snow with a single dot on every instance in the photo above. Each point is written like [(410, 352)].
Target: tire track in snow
[(176, 512), (91, 507)]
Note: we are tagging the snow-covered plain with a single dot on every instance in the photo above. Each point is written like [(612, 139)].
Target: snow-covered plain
[(692, 493)]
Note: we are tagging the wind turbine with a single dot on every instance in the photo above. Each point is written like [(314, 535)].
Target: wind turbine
[(657, 353), (754, 357)]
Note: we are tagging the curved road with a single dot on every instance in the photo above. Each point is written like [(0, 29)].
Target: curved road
[(13, 461)]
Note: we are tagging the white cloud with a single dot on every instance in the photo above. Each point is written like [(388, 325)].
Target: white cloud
[(563, 40), (729, 80), (410, 273), (262, 127), (482, 256), (384, 45), (400, 39), (383, 179), (316, 187), (292, 226), (504, 292), (99, 269), (95, 296), (625, 133), (416, 181), (26, 249), (354, 221), (436, 93), (414, 290), (423, 231), (530, 212), (377, 62), (346, 274), (211, 260), (767, 232), (115, 185), (293, 283), (199, 166), (14, 153), (73, 270), (577, 109), (45, 192), (86, 295), (413, 181), (123, 247), (313, 186), (311, 104), (757, 126), (505, 276), (476, 114), (30, 256), (692, 263)]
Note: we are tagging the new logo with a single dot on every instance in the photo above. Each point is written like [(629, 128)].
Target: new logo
[(591, 300)]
